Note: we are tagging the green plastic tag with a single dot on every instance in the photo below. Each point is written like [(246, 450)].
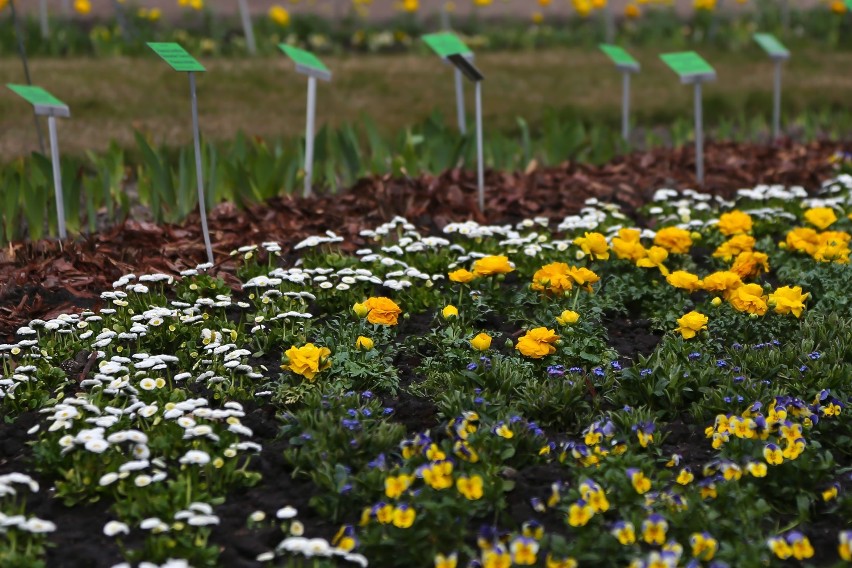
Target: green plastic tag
[(303, 58), (688, 64), (771, 45), (176, 56), (619, 56), (36, 95), (446, 44)]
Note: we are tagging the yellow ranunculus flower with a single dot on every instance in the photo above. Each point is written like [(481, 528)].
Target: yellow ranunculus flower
[(491, 265), (279, 15), (594, 245), (382, 311), (734, 246), (553, 278), (723, 281), (821, 217), (82, 7), (750, 264), (748, 298), (583, 277), (802, 239), (674, 239), (537, 18), (735, 222), (626, 245), (461, 275), (567, 317), (307, 360), (363, 343), (684, 280), (450, 312), (788, 300), (691, 323), (481, 342), (655, 259), (410, 5), (537, 343), (632, 11)]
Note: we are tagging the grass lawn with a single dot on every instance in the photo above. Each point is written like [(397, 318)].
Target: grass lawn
[(109, 98)]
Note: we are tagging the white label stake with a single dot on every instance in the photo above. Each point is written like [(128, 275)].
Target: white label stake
[(460, 113), (248, 27), (699, 135), (467, 68), (57, 176), (625, 106), (309, 134), (198, 168)]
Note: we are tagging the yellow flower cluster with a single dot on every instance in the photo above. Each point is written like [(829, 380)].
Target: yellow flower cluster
[(825, 246), (557, 278)]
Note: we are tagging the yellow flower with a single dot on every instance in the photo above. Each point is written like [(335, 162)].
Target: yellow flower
[(537, 18), (724, 281), (654, 530), (704, 546), (450, 312), (461, 276), (567, 562), (655, 259), (749, 298), (363, 343), (496, 557), (844, 549), (583, 277), (838, 7), (567, 317), (579, 514), (553, 278), (787, 300), (632, 11), (734, 246), (685, 477), (470, 487), (641, 484), (196, 4), (674, 240), (756, 469), (384, 514), (625, 532), (773, 455), (594, 245), (481, 342), (691, 323), (734, 222), (750, 264), (360, 309), (307, 360), (583, 7), (821, 217), (82, 7), (395, 486), (410, 5), (279, 15), (382, 311), (403, 516), (537, 343), (800, 546), (802, 239), (684, 280), (492, 265), (449, 561), (524, 551)]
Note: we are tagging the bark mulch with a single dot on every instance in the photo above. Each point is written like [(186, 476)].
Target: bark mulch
[(43, 279)]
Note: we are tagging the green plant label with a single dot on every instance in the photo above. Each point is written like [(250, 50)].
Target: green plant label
[(176, 56), (772, 46), (619, 56), (306, 62), (446, 44), (36, 96), (688, 64)]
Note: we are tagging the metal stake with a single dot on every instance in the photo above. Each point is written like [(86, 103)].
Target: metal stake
[(445, 17), (22, 51), (609, 24), (45, 25), (198, 169), (776, 102), (248, 28), (480, 165), (121, 18), (625, 107), (57, 176), (699, 135), (460, 114), (309, 134)]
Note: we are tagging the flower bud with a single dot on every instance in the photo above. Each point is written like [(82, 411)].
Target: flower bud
[(717, 301), (363, 343), (450, 312), (361, 310)]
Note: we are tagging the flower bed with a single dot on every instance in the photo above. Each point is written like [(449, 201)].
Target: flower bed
[(580, 393)]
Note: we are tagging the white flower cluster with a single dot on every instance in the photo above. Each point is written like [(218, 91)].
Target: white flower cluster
[(20, 522)]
